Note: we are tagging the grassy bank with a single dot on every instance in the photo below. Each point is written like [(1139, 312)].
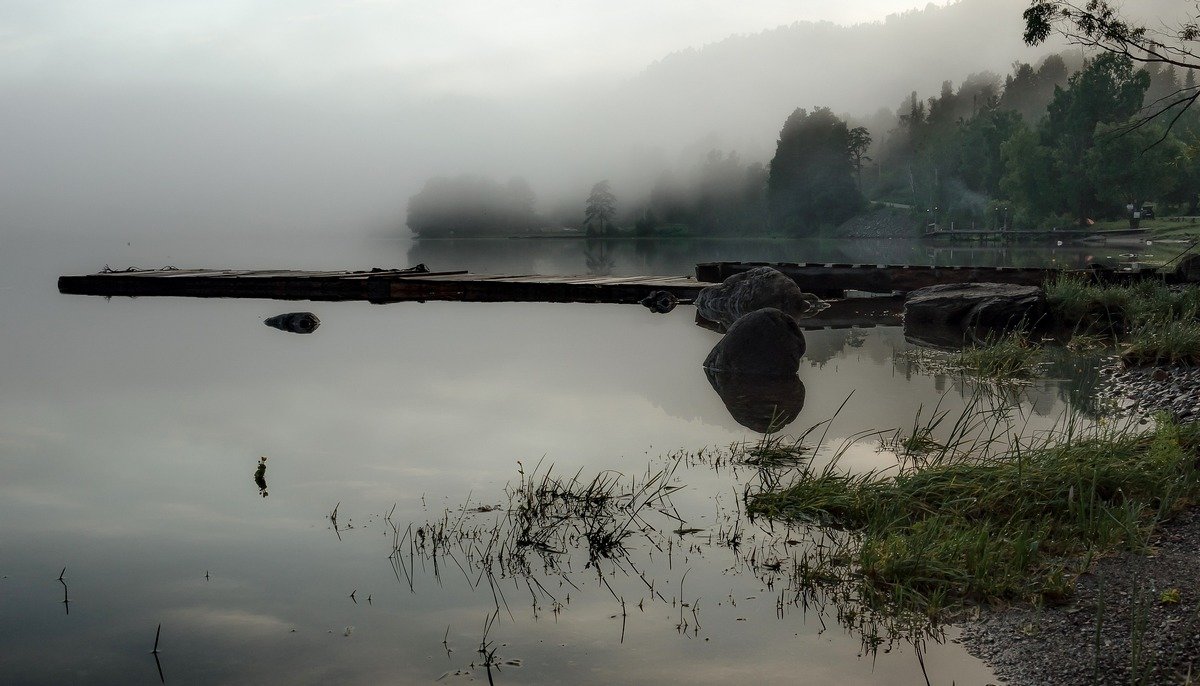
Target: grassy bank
[(1156, 323), (1016, 526), (1149, 322), (1163, 227)]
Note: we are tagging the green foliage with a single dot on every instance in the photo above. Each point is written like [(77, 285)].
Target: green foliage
[(1130, 164), (1108, 90), (980, 142), (811, 179), (859, 142), (1046, 150), (992, 529), (1028, 91), (1009, 357), (1029, 175)]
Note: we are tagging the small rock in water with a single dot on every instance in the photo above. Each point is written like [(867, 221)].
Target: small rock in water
[(294, 322), (661, 302)]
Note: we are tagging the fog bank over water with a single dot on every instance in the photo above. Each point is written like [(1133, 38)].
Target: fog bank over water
[(238, 119)]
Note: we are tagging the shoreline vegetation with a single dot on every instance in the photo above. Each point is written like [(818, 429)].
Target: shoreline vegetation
[(961, 525), (1006, 532)]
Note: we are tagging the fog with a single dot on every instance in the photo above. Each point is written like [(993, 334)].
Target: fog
[(277, 118)]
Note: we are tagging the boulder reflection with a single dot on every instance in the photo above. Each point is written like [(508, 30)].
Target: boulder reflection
[(764, 404)]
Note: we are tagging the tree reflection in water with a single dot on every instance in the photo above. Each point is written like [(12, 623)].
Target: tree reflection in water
[(598, 257)]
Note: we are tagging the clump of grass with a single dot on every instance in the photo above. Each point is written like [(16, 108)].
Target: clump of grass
[(1009, 357), (1165, 341), (1159, 324), (1086, 306), (774, 452), (993, 529)]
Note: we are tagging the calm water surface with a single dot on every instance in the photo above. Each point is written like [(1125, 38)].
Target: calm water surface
[(131, 428)]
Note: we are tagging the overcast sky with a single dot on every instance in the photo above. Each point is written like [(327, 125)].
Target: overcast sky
[(457, 46)]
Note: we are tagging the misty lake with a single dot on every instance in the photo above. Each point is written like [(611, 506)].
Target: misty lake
[(131, 430)]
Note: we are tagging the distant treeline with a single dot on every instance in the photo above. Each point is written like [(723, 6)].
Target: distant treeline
[(472, 205), (1055, 144), (1052, 146)]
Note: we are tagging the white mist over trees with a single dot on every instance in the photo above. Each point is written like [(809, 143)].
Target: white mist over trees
[(472, 205), (121, 121)]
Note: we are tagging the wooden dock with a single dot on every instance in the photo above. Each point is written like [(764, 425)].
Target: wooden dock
[(419, 284), (832, 280), (1002, 234), (378, 286), (392, 286)]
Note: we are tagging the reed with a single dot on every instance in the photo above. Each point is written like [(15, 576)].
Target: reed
[(1009, 357)]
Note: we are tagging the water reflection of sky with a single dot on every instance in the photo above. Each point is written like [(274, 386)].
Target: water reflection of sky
[(130, 430)]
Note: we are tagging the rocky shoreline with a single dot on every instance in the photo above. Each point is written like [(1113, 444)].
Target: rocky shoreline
[(881, 222), (1134, 619), (1146, 391), (1135, 616)]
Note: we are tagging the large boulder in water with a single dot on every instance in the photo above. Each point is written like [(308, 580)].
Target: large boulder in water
[(764, 404), (765, 342), (954, 313), (753, 290), (294, 322)]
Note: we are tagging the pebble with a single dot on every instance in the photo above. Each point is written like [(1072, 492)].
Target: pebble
[(1142, 392), (1058, 645)]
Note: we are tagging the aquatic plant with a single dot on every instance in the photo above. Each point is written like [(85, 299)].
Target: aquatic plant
[(1009, 357)]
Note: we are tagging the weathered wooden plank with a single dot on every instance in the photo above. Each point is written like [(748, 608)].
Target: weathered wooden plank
[(831, 279), (380, 286)]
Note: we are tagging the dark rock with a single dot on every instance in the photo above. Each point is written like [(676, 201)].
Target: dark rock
[(951, 314), (764, 404), (294, 322), (765, 342), (753, 290), (660, 301)]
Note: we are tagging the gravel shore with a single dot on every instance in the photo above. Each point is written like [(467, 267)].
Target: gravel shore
[(1134, 619), (1145, 391)]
